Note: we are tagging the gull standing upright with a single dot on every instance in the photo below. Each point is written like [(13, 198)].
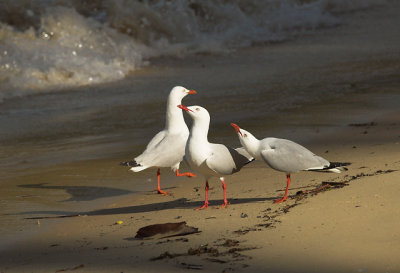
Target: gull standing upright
[(210, 159), (167, 148), (285, 156)]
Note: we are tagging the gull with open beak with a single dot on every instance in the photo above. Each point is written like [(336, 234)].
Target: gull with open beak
[(167, 148), (210, 159), (285, 156)]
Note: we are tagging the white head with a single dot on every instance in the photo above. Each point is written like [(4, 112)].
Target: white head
[(248, 141), (179, 92), (197, 113), (174, 117), (201, 120)]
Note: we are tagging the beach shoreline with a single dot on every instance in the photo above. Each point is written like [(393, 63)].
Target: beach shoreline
[(252, 233), (351, 229)]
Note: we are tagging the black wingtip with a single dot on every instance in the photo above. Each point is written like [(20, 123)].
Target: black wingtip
[(131, 163), (251, 160), (338, 164)]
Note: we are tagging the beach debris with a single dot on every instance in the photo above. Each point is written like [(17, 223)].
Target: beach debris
[(72, 268), (185, 240), (270, 216), (214, 260), (243, 215), (166, 230), (362, 174), (165, 255), (211, 252), (265, 225), (288, 207), (230, 243), (118, 223), (203, 249), (324, 186), (245, 230), (101, 248), (192, 266), (239, 249)]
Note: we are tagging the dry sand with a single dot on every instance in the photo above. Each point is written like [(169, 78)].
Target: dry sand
[(350, 229)]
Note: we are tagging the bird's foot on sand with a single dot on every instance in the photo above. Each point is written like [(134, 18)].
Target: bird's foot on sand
[(205, 206), (160, 191)]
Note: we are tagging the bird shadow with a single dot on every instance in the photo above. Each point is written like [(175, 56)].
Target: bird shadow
[(181, 203), (80, 193)]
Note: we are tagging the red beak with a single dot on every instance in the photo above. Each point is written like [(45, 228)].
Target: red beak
[(183, 107), (192, 92), (237, 128)]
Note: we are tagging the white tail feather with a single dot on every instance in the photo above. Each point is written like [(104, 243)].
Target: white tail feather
[(244, 153), (337, 169), (138, 168), (333, 170)]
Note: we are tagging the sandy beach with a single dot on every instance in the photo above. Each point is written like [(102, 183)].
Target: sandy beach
[(349, 229), (83, 215)]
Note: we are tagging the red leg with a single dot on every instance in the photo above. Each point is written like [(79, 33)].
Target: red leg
[(283, 199), (206, 200), (159, 190), (225, 200), (184, 174)]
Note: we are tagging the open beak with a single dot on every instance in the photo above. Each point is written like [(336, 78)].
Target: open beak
[(237, 128), (183, 107), (192, 92)]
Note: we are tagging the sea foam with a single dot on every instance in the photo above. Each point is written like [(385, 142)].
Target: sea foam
[(51, 44)]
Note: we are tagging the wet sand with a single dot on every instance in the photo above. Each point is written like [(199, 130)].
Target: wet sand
[(350, 229)]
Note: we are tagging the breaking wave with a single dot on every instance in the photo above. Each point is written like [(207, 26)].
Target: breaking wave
[(52, 44)]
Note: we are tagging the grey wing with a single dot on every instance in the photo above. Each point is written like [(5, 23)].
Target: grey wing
[(225, 160), (243, 152), (288, 156), (156, 139), (164, 153)]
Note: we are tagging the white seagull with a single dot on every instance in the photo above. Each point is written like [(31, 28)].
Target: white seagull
[(285, 156), (210, 159), (167, 148)]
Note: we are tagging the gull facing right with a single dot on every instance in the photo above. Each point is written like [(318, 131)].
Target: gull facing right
[(285, 156), (167, 148)]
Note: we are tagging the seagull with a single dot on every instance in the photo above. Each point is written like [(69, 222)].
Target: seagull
[(285, 156), (210, 159), (167, 148)]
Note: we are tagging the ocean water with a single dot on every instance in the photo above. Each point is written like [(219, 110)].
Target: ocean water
[(50, 45), (83, 85)]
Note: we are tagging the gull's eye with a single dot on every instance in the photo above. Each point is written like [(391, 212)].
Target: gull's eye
[(245, 135), (197, 109), (183, 91)]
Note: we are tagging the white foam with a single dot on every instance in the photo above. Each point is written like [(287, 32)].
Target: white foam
[(62, 44)]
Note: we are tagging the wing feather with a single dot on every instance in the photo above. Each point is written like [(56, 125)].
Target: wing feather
[(288, 156), (224, 160)]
